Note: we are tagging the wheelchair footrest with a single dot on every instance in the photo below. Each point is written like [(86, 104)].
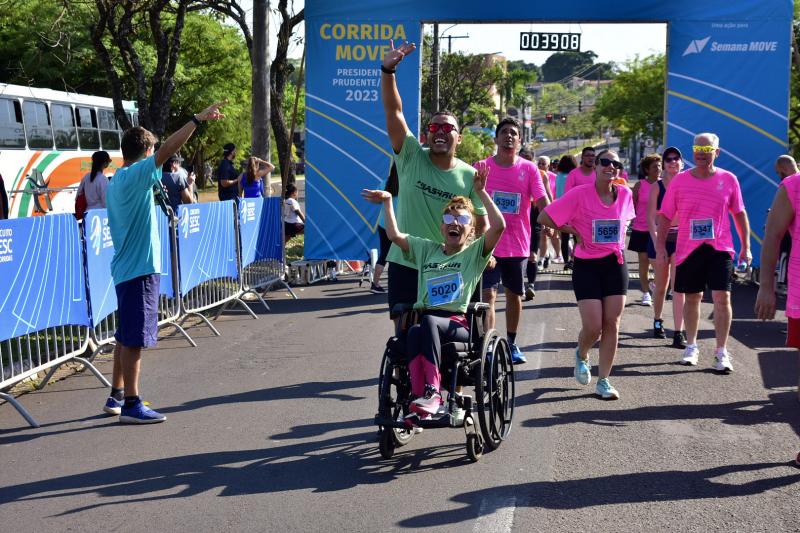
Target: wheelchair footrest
[(443, 421)]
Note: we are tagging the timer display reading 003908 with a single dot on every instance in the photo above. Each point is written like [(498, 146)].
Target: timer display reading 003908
[(552, 42)]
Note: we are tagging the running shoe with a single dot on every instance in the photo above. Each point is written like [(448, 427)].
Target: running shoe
[(690, 355), (529, 292), (376, 289), (139, 413), (113, 406), (658, 329), (558, 260), (568, 265), (583, 371), (723, 362), (646, 299), (679, 340), (546, 262), (428, 404), (516, 355), (605, 390)]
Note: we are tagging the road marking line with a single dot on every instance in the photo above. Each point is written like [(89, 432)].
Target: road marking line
[(496, 515)]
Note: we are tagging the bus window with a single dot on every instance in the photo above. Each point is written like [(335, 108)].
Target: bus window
[(109, 130), (12, 134), (64, 127), (37, 122), (87, 128)]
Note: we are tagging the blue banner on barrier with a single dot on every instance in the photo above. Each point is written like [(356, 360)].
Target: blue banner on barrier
[(42, 271), (166, 257), (249, 225), (99, 253), (260, 229), (207, 243)]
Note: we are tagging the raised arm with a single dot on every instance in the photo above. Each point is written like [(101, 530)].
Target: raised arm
[(390, 222), (392, 104), (179, 138), (497, 224)]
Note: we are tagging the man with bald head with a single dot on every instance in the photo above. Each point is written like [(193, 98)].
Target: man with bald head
[(786, 166)]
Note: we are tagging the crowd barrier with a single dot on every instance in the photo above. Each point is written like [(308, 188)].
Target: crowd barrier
[(61, 303)]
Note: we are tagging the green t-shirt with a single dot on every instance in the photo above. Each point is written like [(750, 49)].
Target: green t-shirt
[(445, 281), (424, 191)]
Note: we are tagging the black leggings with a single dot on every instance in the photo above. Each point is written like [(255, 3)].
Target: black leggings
[(565, 245), (426, 338)]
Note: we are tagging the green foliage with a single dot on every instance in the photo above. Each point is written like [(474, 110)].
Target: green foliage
[(794, 87), (635, 101), (475, 146), (563, 65)]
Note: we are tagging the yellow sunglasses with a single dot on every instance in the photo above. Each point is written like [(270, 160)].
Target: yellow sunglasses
[(703, 149)]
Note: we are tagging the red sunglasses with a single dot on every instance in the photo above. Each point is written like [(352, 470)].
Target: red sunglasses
[(446, 127)]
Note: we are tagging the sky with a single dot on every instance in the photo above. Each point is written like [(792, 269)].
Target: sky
[(611, 42)]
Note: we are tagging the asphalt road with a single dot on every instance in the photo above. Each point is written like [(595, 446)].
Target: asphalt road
[(270, 429)]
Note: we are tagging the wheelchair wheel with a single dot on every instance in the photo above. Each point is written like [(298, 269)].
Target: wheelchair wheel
[(390, 390), (387, 443), (495, 392), (474, 448)]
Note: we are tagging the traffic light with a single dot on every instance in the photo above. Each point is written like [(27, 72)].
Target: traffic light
[(563, 118), (548, 118)]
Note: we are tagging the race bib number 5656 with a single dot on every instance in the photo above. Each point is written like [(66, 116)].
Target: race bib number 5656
[(605, 231)]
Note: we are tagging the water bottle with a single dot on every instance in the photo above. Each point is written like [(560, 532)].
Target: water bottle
[(742, 267)]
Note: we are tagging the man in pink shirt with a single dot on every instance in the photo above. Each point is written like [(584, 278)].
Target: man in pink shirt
[(512, 183), (702, 198), (584, 173), (782, 217)]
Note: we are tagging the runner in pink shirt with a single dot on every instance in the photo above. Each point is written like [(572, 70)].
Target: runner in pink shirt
[(584, 173), (651, 170), (783, 216), (702, 198), (598, 215), (543, 162), (512, 183)]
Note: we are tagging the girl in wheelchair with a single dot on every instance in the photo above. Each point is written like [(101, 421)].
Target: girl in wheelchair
[(448, 276)]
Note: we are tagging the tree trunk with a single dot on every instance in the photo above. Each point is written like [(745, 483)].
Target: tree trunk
[(261, 94)]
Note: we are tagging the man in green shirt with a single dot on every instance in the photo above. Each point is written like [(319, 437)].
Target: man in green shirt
[(429, 177)]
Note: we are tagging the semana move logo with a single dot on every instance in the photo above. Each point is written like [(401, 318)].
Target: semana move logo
[(698, 45), (6, 241)]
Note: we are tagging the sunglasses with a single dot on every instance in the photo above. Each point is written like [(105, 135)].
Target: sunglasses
[(605, 162), (671, 159), (446, 127), (447, 218), (704, 149)]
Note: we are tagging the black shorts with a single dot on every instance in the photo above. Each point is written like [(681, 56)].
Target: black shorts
[(291, 229), (536, 230), (385, 244), (670, 246), (638, 241), (137, 304), (511, 270), (704, 267), (403, 283), (594, 279)]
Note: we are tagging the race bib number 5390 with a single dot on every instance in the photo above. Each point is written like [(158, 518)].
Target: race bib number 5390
[(507, 202)]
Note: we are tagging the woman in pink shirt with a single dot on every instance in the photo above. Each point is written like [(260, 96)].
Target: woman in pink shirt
[(651, 170), (598, 215)]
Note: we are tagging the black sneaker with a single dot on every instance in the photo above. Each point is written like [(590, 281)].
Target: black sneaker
[(658, 329), (679, 340), (529, 292), (568, 265), (546, 262), (376, 289)]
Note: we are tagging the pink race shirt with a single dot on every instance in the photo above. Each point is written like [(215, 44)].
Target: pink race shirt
[(512, 189), (640, 222), (792, 186), (602, 227), (551, 179), (576, 177), (702, 207)]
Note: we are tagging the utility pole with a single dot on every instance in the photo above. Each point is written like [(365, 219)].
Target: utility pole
[(435, 69), (260, 103)]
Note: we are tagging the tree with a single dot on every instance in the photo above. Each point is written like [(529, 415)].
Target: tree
[(563, 65), (794, 92), (634, 102)]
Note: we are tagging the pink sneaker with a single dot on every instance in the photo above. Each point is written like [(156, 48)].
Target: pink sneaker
[(428, 404)]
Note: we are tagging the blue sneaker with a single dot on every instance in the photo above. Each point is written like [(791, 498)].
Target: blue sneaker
[(605, 390), (113, 406), (140, 414), (583, 372), (516, 355)]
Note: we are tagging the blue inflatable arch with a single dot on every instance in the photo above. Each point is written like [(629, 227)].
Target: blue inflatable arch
[(728, 73)]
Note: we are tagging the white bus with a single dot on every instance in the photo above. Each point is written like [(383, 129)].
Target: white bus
[(47, 139)]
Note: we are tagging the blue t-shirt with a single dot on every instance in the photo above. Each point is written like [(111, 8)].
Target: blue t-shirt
[(132, 221), (253, 190)]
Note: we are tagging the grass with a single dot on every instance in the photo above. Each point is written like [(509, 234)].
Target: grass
[(294, 248)]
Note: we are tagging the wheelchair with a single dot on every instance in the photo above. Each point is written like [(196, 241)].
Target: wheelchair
[(483, 363)]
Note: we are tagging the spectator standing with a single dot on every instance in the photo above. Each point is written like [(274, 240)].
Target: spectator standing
[(136, 264), (177, 183), (293, 219), (227, 175), (251, 182), (93, 185)]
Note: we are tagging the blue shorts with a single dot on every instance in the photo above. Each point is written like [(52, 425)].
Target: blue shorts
[(137, 304)]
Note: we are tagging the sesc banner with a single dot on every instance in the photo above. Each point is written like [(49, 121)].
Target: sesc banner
[(260, 229), (206, 243), (346, 143), (42, 272), (249, 227)]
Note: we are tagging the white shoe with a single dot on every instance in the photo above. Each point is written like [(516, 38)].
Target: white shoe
[(646, 299), (690, 355), (722, 362), (558, 260)]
